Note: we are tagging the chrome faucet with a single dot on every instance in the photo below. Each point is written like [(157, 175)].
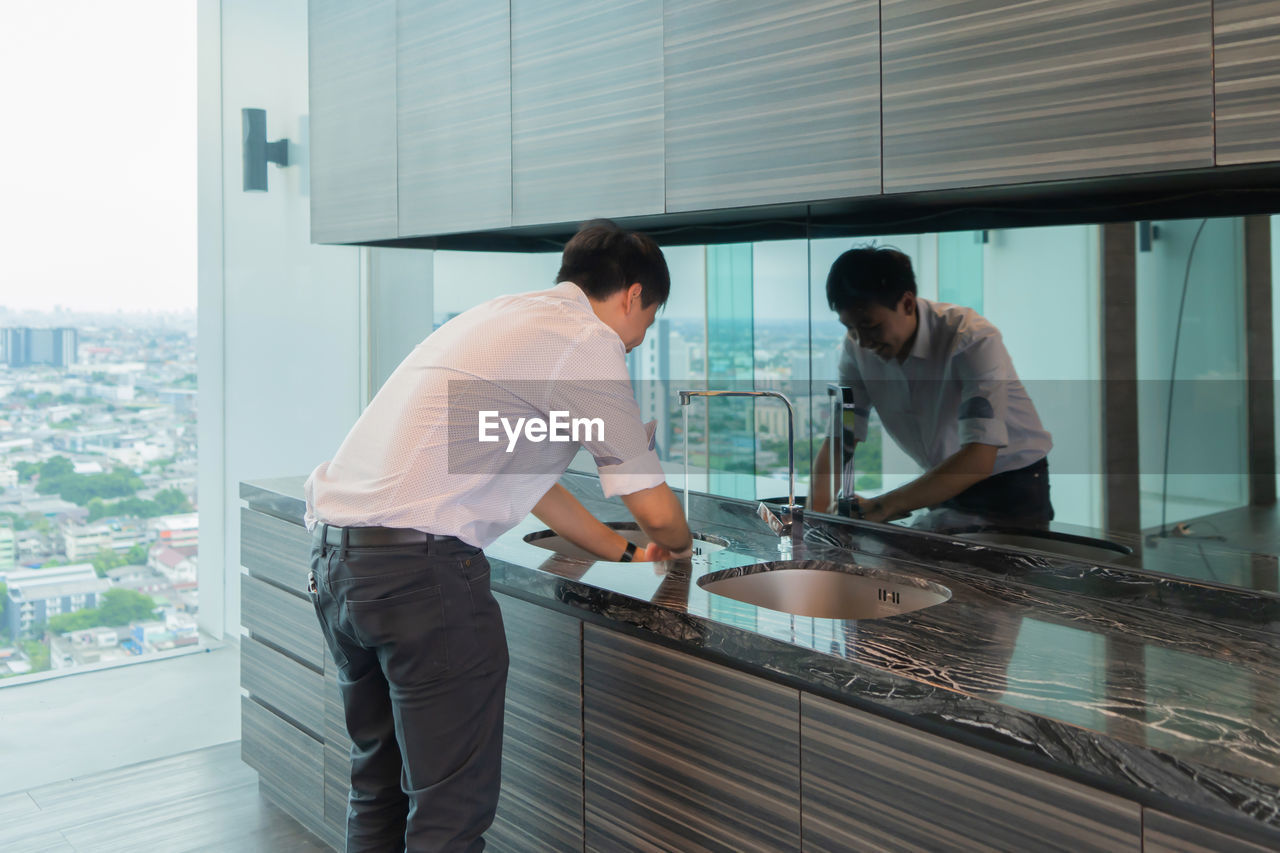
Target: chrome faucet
[(842, 423), (788, 523)]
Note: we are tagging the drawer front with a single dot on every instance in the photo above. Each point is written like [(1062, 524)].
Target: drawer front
[(280, 681), (1162, 833), (289, 762), (897, 788), (684, 754), (282, 619), (275, 550)]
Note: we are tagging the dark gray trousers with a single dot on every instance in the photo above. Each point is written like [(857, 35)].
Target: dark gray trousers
[(422, 668)]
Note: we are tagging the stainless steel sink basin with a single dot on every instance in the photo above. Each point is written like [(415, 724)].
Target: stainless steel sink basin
[(1062, 544), (825, 590), (552, 541)]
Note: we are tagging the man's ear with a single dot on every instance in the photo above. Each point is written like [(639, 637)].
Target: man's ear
[(633, 297), (908, 303)]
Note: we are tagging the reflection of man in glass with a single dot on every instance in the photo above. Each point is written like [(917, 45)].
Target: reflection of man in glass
[(945, 388)]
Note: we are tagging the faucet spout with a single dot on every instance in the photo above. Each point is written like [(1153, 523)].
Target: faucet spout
[(786, 522)]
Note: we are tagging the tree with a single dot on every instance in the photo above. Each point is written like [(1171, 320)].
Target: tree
[(38, 653), (4, 611), (90, 617), (122, 606), (172, 502), (107, 559), (58, 466)]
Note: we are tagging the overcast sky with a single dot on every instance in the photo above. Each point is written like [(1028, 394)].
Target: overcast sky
[(98, 154)]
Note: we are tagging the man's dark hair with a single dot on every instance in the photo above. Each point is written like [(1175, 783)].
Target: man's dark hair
[(603, 259), (869, 274)]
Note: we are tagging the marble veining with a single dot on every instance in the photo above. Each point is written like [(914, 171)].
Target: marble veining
[(1156, 688)]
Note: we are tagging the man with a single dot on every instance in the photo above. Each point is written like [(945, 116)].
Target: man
[(416, 490), (945, 388)]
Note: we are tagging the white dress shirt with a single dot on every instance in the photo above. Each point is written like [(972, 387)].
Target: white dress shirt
[(957, 386), (415, 459)]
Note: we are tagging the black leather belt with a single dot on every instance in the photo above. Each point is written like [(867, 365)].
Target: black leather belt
[(372, 537)]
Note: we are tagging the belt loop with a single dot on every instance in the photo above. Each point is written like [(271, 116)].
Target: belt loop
[(324, 536), (344, 545)]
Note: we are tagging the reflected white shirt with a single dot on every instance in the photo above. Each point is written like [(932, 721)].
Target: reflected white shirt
[(414, 458), (957, 386)]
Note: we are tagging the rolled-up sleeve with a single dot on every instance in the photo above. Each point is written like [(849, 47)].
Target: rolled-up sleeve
[(851, 378), (595, 392), (985, 372)]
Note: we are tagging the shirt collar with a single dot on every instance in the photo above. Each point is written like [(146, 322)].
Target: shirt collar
[(924, 332), (569, 290)]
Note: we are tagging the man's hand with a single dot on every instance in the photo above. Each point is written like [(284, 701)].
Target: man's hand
[(653, 552), (880, 509)]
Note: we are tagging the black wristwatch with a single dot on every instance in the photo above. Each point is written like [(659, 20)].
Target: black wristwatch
[(628, 554)]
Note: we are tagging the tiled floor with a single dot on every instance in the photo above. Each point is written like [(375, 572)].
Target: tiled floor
[(206, 800)]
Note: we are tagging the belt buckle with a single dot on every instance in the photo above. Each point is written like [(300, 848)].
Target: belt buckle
[(311, 583)]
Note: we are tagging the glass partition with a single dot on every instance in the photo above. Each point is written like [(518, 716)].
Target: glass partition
[(754, 316)]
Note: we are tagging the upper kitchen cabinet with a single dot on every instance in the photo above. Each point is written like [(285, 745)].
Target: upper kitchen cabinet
[(771, 102), (453, 99), (586, 109), (979, 92), (352, 49), (1246, 61)]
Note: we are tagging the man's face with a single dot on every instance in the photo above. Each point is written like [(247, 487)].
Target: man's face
[(637, 323), (887, 332)]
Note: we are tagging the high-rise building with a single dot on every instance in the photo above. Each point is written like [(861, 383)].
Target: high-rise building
[(22, 346)]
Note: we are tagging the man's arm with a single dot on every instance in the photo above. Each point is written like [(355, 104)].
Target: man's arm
[(820, 497), (653, 510), (970, 464), (563, 513), (659, 514)]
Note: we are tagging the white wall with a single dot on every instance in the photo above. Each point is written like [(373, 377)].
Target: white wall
[(281, 362)]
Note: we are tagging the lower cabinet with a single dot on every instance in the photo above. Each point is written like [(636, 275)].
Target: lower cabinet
[(1162, 833), (871, 784), (682, 754), (617, 743), (540, 807)]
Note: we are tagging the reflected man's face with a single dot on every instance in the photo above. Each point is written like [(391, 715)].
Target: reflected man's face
[(887, 332)]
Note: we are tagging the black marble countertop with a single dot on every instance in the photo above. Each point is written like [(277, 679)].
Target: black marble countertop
[(1158, 689)]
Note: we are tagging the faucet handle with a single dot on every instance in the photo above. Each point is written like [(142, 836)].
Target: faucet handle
[(782, 522)]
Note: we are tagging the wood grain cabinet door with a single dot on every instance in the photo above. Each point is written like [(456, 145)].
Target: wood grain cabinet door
[(352, 58), (586, 109), (540, 807), (682, 754), (1163, 833), (1246, 65), (453, 105), (977, 92), (771, 102), (872, 784)]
